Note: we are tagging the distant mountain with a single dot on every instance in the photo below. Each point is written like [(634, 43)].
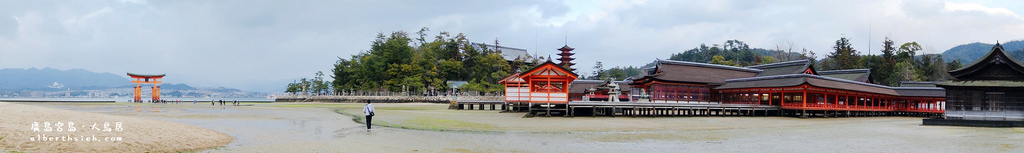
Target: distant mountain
[(967, 53), (42, 79), (167, 86)]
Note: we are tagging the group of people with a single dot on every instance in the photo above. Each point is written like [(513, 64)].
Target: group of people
[(222, 102)]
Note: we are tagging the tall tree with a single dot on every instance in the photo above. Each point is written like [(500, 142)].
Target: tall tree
[(884, 73), (598, 73), (907, 51), (844, 57), (954, 65)]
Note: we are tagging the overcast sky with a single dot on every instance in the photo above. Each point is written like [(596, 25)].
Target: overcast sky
[(261, 45)]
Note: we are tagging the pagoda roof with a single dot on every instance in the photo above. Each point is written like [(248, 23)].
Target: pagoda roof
[(146, 75), (566, 48)]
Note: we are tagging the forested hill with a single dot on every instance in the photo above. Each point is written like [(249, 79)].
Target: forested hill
[(18, 79), (967, 53)]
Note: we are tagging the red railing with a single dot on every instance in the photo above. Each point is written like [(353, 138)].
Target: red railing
[(835, 107)]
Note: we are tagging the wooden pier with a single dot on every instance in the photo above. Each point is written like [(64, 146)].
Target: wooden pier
[(480, 105), (613, 109)]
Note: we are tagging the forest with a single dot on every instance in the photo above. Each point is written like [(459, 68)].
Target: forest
[(417, 65), (422, 65)]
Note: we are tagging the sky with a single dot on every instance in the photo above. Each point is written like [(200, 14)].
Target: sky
[(261, 45)]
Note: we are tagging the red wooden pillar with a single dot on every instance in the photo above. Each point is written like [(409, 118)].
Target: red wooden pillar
[(836, 100), (805, 98)]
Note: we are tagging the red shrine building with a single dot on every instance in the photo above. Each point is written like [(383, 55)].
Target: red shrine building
[(794, 86), (788, 88), (548, 83)]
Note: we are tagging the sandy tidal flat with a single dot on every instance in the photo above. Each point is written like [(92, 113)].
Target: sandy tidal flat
[(74, 131), (314, 127)]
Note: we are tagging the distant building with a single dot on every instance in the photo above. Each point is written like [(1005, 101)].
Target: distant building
[(990, 89), (566, 57), (510, 54)]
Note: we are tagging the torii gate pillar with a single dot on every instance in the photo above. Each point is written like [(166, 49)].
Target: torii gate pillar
[(142, 78)]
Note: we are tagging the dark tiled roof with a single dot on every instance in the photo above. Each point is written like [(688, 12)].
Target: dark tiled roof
[(920, 91), (997, 56), (814, 80), (771, 81), (860, 75), (686, 63), (780, 68), (701, 73), (998, 50), (982, 83), (916, 84)]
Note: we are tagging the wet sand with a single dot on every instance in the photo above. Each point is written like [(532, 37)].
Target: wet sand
[(306, 127), (40, 129)]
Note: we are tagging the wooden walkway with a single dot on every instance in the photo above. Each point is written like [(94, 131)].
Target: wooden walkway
[(652, 109), (590, 108), (480, 104)]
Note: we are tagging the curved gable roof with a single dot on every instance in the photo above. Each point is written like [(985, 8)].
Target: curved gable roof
[(549, 64), (995, 60)]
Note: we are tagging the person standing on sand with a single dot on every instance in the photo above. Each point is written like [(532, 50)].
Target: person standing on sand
[(368, 111)]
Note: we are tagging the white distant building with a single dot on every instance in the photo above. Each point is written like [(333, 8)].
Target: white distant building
[(510, 54)]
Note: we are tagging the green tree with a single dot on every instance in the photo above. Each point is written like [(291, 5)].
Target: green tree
[(906, 72), (884, 72), (907, 51), (598, 73), (844, 57), (319, 86), (954, 65), (720, 60), (615, 74)]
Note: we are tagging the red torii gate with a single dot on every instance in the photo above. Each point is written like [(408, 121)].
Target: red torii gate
[(143, 78)]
